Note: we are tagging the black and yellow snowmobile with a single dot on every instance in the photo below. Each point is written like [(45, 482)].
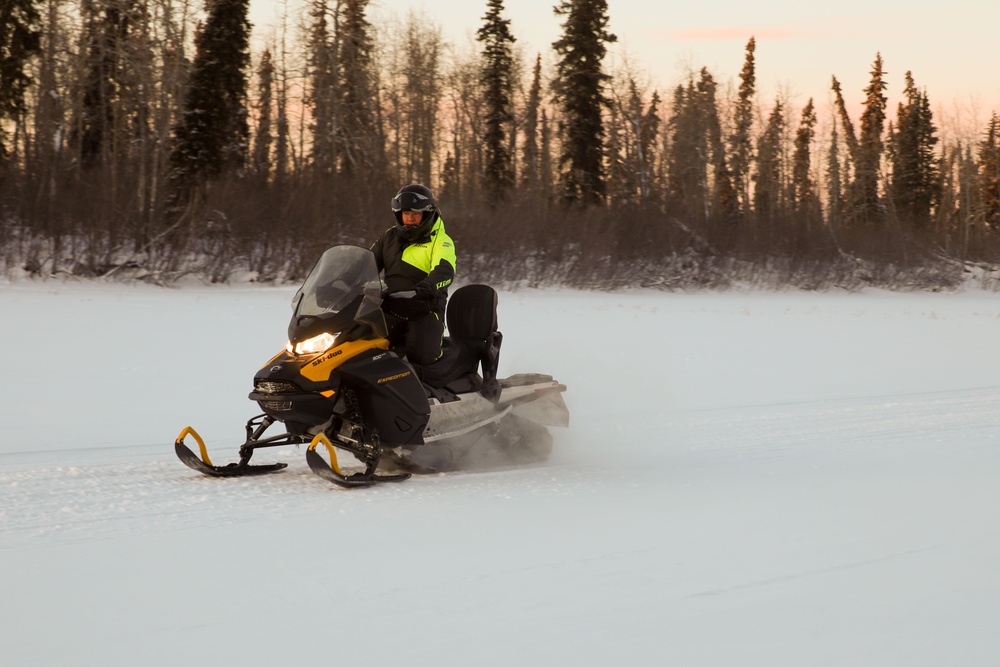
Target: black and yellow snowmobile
[(339, 386)]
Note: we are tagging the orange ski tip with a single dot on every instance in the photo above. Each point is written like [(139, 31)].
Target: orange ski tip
[(186, 431)]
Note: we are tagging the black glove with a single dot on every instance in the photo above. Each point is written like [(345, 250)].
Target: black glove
[(414, 308), (425, 292)]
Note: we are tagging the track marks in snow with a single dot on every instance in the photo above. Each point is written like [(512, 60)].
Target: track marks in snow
[(85, 500), (91, 498), (795, 576), (77, 495)]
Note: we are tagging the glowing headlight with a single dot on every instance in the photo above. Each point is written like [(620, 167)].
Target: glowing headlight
[(314, 345)]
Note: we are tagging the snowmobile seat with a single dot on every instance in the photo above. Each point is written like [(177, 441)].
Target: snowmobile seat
[(454, 373), (473, 341)]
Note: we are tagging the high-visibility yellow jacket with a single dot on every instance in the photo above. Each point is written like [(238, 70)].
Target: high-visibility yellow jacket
[(429, 261)]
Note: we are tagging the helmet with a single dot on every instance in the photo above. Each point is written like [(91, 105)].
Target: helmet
[(414, 197)]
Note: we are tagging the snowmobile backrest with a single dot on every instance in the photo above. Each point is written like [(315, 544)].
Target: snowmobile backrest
[(472, 312), (472, 315)]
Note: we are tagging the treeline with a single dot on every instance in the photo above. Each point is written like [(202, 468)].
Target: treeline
[(144, 138)]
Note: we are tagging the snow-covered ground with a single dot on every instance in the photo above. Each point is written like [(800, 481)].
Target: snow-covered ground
[(748, 479)]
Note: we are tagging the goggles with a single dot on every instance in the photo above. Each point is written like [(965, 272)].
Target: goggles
[(412, 201)]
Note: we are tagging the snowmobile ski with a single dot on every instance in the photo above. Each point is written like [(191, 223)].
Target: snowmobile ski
[(333, 473), (204, 464)]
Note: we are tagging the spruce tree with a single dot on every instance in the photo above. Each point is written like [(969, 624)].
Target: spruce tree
[(649, 136), (632, 147), (834, 181), (116, 82), (321, 99), (414, 101), (865, 187), (20, 39), (989, 173), (529, 173), (451, 184), (48, 121), (944, 216), (360, 143), (723, 204), (915, 182), (579, 90), (850, 137), (804, 198), (263, 137), (545, 166), (970, 203), (699, 182), (211, 137), (282, 146), (628, 146), (843, 208), (768, 198), (740, 142), (620, 177), (498, 87), (687, 193), (103, 24)]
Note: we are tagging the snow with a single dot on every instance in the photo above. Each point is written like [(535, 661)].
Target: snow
[(749, 478)]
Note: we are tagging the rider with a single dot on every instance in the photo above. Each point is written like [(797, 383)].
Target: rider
[(416, 254)]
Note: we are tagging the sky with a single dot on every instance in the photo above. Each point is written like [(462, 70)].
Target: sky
[(950, 48), (748, 478)]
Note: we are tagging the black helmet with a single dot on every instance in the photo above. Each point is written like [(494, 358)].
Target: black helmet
[(414, 197)]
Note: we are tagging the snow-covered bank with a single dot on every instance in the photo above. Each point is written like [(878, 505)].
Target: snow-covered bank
[(772, 479)]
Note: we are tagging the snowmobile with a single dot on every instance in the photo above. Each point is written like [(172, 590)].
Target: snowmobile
[(340, 386)]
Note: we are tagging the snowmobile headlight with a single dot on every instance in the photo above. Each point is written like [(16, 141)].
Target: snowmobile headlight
[(314, 345)]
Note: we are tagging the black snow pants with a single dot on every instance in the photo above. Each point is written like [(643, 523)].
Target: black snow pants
[(419, 339)]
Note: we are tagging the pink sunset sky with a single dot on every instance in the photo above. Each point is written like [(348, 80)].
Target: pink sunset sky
[(950, 49)]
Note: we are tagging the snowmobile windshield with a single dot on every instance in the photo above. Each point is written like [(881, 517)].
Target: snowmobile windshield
[(342, 291)]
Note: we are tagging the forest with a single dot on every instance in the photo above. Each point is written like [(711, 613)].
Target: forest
[(147, 140)]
